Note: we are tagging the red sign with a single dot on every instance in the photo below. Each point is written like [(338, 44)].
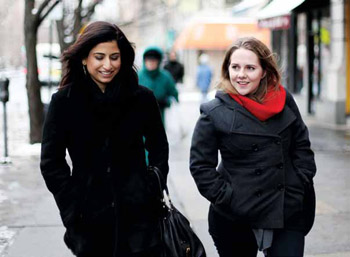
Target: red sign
[(280, 22)]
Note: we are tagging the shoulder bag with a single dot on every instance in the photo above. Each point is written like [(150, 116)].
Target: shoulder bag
[(178, 238)]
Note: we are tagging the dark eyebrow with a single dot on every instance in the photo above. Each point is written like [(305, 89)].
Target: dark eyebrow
[(247, 65), (105, 54)]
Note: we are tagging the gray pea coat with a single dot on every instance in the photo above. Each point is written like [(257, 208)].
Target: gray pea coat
[(266, 168)]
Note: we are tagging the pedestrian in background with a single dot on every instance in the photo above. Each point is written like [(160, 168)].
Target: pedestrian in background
[(175, 68), (157, 79), (105, 121), (204, 76), (261, 193)]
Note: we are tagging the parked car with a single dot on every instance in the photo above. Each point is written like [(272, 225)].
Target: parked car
[(49, 64)]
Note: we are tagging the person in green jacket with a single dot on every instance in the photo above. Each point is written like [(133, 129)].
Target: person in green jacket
[(157, 79)]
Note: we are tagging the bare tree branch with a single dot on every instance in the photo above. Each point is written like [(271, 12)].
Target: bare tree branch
[(91, 9), (42, 6), (80, 17), (69, 32), (77, 19), (42, 17)]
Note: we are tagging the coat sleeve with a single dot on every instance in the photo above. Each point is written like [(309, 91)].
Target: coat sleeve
[(302, 154), (156, 141), (54, 168), (204, 161)]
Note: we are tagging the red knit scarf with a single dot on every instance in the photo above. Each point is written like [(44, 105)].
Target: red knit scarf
[(273, 103)]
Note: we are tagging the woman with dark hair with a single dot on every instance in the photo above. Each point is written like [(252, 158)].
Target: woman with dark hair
[(261, 193), (105, 121)]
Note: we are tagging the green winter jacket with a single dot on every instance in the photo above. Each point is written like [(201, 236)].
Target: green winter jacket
[(159, 81)]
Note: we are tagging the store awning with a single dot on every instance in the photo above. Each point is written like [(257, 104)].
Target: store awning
[(218, 36), (276, 15), (246, 5)]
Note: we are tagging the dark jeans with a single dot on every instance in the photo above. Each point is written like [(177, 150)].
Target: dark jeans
[(237, 239)]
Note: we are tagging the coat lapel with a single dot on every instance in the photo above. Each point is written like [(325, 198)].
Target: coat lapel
[(281, 121), (244, 122)]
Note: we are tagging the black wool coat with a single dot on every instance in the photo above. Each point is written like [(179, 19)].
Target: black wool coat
[(109, 184), (266, 169)]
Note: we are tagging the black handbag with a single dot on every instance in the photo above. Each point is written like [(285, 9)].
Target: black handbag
[(178, 238)]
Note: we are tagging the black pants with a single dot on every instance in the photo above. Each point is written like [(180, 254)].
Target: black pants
[(237, 239)]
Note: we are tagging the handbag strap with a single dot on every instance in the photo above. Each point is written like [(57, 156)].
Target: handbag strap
[(162, 185)]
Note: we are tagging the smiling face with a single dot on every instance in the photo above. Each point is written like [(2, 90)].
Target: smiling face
[(245, 71), (103, 63)]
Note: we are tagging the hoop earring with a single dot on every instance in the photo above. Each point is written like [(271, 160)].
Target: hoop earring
[(84, 69)]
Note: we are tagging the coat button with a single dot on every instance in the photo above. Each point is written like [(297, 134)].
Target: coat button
[(258, 171), (255, 147), (112, 204), (108, 169), (280, 166), (280, 187), (277, 142)]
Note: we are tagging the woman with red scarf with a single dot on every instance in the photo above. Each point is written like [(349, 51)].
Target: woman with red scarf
[(261, 192)]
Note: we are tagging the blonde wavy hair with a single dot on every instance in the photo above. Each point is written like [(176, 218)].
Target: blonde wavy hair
[(267, 61)]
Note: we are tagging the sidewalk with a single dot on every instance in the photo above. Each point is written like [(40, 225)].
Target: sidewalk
[(30, 225)]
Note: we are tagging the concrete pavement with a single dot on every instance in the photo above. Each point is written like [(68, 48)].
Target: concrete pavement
[(29, 221)]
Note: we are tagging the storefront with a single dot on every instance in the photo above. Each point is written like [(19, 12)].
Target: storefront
[(213, 36), (278, 16), (301, 38)]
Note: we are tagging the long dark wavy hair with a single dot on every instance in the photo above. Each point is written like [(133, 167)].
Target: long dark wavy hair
[(94, 34), (267, 61)]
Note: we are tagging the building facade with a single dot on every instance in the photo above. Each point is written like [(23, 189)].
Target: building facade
[(312, 39)]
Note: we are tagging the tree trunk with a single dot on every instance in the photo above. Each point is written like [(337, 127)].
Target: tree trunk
[(36, 114)]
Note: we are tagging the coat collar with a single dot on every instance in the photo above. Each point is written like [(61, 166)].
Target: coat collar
[(244, 122), (80, 90)]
